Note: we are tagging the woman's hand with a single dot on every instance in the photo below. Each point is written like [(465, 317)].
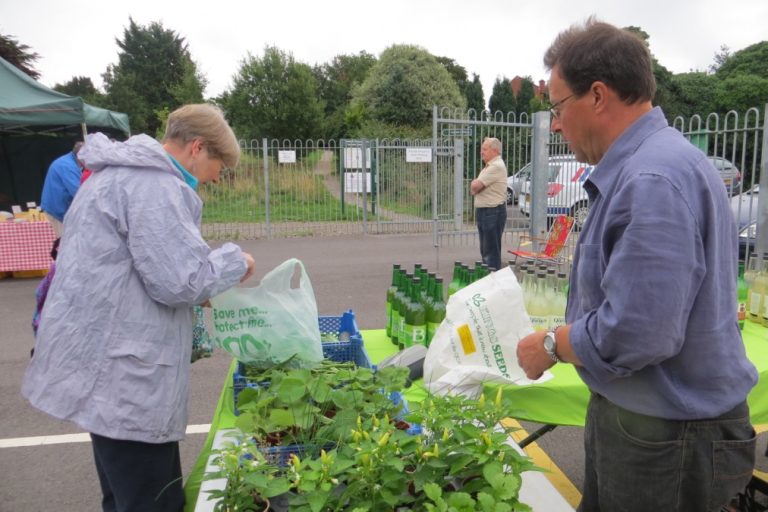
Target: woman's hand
[(251, 265)]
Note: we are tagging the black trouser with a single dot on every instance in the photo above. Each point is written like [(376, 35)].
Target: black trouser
[(138, 477), (490, 227), (639, 463)]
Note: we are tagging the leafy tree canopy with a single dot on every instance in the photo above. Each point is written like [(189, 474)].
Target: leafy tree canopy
[(402, 87), (20, 55), (83, 87), (752, 60), (155, 72), (741, 92), (502, 98), (274, 96), (475, 95), (335, 83), (696, 94)]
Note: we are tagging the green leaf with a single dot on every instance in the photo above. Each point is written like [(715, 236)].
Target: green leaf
[(291, 390), (461, 501), (433, 491), (317, 500)]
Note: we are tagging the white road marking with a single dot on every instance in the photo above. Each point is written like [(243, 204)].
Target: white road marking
[(17, 442)]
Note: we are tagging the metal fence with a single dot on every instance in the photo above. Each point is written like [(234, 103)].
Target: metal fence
[(309, 188)]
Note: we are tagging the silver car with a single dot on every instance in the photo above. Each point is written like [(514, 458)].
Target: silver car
[(515, 183), (729, 172), (745, 206)]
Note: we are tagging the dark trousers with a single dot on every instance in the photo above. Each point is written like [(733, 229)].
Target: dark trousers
[(138, 477), (490, 227), (640, 463)]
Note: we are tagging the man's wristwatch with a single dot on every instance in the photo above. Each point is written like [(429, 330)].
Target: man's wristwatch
[(550, 346)]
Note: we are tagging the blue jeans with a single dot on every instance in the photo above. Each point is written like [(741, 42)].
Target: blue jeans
[(490, 227), (640, 463)]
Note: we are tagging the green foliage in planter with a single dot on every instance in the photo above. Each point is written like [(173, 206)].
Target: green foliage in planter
[(461, 461), (317, 406)]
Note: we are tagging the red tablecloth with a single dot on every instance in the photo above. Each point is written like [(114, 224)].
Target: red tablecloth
[(25, 245)]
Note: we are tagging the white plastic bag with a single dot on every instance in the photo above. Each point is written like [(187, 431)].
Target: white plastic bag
[(272, 323), (477, 341)]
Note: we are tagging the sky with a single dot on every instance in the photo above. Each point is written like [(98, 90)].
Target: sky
[(492, 38)]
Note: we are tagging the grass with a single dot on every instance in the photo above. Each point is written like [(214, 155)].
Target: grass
[(297, 194)]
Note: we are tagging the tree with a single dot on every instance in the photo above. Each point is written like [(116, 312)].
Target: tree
[(274, 96), (402, 87), (502, 98), (20, 55), (525, 96), (475, 95), (155, 73), (741, 92), (335, 83), (83, 87), (752, 60), (721, 57), (697, 95), (667, 93)]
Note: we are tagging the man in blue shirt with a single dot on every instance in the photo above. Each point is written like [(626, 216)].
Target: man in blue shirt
[(60, 186), (651, 318)]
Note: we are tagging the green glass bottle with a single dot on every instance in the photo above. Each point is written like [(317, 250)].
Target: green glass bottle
[(405, 303), (397, 306), (436, 313), (391, 297), (455, 283), (415, 317)]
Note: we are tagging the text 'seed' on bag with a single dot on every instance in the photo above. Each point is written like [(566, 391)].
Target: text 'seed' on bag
[(477, 341)]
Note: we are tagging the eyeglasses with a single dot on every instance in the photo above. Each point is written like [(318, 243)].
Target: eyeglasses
[(554, 108)]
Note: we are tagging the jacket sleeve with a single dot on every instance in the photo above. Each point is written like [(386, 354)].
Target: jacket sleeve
[(176, 265)]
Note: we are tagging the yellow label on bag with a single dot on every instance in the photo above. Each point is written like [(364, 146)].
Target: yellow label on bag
[(467, 342)]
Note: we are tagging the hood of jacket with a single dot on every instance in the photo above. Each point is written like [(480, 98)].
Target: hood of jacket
[(142, 151)]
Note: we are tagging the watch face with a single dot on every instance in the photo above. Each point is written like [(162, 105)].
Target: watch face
[(549, 343)]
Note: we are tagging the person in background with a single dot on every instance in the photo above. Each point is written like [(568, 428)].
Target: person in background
[(651, 324), (490, 191), (60, 186), (42, 289), (113, 347)]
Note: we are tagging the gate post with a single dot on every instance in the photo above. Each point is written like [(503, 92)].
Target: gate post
[(265, 159), (762, 214), (363, 159), (458, 183), (539, 175)]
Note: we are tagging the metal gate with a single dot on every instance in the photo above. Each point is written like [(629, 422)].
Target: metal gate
[(465, 131)]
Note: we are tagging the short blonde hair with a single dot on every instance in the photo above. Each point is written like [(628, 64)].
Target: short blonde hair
[(493, 143), (204, 121)]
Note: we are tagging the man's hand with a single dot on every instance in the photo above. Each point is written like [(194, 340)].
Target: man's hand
[(251, 265), (532, 357)]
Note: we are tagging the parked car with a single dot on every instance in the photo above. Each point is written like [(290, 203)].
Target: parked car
[(745, 206), (565, 189), (729, 172), (516, 181), (747, 240)]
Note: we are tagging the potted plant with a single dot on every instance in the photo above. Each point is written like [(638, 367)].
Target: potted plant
[(362, 461)]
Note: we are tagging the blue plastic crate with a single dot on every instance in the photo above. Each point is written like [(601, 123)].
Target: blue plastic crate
[(349, 347)]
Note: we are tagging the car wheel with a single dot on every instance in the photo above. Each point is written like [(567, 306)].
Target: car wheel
[(579, 213), (510, 196)]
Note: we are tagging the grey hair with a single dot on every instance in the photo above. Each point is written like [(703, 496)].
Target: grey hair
[(493, 143)]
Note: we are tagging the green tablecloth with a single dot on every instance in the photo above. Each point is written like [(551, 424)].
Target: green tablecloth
[(559, 401)]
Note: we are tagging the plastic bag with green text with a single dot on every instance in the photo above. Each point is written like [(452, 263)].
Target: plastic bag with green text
[(477, 341), (272, 323)]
